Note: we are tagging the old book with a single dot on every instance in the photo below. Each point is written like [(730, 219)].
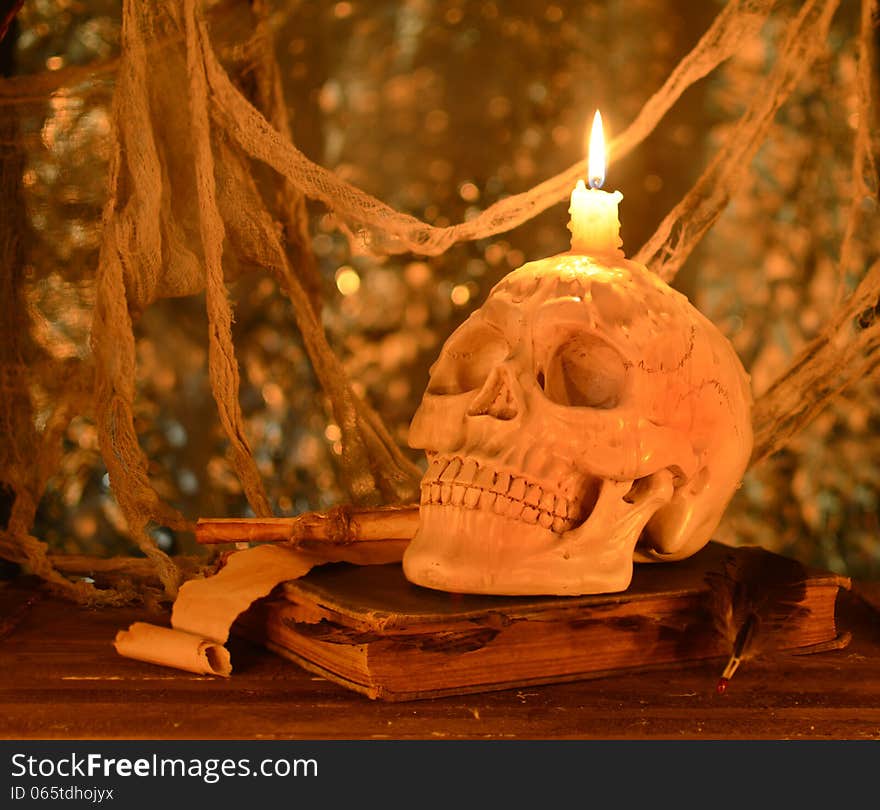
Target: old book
[(369, 629)]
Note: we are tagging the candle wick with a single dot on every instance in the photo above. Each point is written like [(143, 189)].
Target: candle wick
[(596, 182)]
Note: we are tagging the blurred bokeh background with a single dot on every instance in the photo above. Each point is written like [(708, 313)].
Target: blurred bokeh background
[(440, 108)]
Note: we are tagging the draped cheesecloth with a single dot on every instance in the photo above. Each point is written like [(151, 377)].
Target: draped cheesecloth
[(181, 194)]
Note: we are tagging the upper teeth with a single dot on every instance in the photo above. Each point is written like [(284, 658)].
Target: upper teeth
[(464, 483)]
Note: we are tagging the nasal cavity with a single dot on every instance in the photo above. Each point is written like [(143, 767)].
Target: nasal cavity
[(496, 398)]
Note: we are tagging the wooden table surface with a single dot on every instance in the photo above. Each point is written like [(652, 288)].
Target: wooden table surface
[(60, 678)]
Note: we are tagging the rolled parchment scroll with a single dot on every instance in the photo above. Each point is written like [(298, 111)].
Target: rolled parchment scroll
[(206, 608), (172, 648)]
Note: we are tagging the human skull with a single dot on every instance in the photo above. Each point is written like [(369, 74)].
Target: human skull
[(586, 416)]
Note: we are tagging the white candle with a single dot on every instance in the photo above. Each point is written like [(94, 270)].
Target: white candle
[(594, 224)]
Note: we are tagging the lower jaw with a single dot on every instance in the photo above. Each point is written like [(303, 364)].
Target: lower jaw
[(473, 551)]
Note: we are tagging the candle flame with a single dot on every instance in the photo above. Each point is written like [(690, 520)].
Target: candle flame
[(596, 163)]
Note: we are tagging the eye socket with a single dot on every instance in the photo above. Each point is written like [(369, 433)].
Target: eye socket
[(584, 371), (467, 359)]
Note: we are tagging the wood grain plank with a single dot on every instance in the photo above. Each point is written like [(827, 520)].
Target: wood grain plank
[(60, 678)]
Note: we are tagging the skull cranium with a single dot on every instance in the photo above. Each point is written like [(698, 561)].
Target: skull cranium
[(586, 416)]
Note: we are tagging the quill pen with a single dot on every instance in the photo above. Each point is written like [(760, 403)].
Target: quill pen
[(752, 600)]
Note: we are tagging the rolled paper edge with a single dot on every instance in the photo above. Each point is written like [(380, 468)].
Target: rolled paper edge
[(173, 648), (206, 609)]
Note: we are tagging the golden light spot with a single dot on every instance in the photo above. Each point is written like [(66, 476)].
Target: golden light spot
[(476, 267), (87, 437), (499, 107), (266, 288), (398, 389), (333, 433), (273, 396), (653, 183), (348, 282), (417, 274), (469, 192), (85, 525), (494, 253), (342, 10), (439, 170), (55, 62), (436, 121), (561, 135), (322, 244), (460, 295)]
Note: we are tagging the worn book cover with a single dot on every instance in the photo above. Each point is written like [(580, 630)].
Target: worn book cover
[(369, 629)]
